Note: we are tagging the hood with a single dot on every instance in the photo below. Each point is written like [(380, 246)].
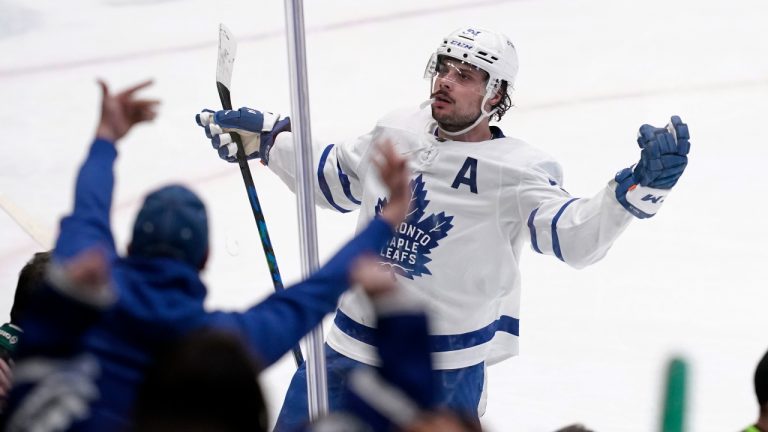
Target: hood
[(158, 298)]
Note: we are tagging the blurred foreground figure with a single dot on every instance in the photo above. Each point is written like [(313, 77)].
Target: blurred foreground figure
[(401, 393), (574, 428), (30, 279), (102, 318), (205, 382)]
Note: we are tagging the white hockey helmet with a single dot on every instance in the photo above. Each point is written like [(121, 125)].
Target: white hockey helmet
[(488, 50), (485, 49)]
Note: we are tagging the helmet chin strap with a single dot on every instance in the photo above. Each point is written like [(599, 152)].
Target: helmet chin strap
[(483, 115)]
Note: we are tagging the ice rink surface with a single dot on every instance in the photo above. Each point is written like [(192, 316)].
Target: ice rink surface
[(691, 281)]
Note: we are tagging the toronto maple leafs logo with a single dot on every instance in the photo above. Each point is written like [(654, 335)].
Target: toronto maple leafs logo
[(416, 236)]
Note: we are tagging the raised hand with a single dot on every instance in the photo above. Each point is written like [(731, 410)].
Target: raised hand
[(395, 174), (85, 277), (664, 154), (121, 111), (372, 277)]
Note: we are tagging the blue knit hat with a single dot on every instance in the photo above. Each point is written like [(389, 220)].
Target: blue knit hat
[(172, 223)]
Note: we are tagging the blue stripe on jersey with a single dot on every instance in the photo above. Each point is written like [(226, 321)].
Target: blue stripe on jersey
[(344, 179), (532, 228), (324, 184), (437, 343), (555, 239)]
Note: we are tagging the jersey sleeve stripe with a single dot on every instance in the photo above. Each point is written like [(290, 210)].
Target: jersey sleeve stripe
[(324, 184), (555, 239), (344, 179), (532, 228), (437, 343)]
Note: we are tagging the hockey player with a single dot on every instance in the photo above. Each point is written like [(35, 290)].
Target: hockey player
[(156, 294), (477, 197)]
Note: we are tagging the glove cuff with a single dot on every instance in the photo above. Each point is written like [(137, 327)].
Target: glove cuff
[(268, 139), (270, 119), (642, 201)]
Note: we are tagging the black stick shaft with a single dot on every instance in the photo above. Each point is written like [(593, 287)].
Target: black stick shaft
[(258, 214)]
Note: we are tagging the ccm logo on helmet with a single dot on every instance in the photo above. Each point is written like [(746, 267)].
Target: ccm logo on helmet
[(472, 31), (461, 44)]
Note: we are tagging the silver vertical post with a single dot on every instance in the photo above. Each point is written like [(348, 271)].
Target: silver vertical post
[(317, 385)]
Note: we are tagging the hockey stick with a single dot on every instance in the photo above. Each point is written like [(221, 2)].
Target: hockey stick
[(40, 235), (224, 65)]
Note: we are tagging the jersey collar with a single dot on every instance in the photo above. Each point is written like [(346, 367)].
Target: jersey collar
[(496, 132)]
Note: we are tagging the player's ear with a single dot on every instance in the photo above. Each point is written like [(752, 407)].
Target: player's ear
[(497, 97), (492, 102)]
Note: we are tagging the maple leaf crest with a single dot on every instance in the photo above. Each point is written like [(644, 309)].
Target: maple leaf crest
[(406, 252)]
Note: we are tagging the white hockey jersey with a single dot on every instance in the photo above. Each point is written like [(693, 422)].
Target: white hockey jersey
[(474, 205)]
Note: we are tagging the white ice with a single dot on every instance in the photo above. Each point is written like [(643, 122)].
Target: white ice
[(594, 342)]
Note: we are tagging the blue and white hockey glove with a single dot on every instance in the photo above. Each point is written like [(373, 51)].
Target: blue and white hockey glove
[(641, 189), (256, 128)]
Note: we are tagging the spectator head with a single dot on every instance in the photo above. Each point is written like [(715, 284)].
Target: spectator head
[(574, 428), (172, 223), (30, 278), (761, 383), (444, 421), (205, 382)]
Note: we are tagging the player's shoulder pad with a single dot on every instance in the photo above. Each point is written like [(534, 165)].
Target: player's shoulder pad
[(410, 118), (550, 168), (521, 153), (522, 157)]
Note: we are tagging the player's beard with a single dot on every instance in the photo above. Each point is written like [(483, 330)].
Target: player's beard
[(457, 119)]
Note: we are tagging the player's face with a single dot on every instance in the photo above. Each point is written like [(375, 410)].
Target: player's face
[(458, 91)]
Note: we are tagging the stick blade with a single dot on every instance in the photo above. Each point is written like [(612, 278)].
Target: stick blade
[(226, 59)]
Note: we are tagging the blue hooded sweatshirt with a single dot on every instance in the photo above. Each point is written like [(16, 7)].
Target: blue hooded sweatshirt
[(160, 300)]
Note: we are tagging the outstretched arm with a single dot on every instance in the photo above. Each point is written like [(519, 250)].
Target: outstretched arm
[(89, 224), (642, 188), (278, 323), (580, 231), (402, 333)]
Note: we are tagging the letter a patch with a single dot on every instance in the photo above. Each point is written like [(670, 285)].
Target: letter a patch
[(467, 175)]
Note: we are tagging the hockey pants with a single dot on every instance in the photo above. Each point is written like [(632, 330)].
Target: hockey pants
[(458, 389)]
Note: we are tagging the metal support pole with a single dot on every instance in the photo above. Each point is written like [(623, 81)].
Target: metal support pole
[(317, 385)]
